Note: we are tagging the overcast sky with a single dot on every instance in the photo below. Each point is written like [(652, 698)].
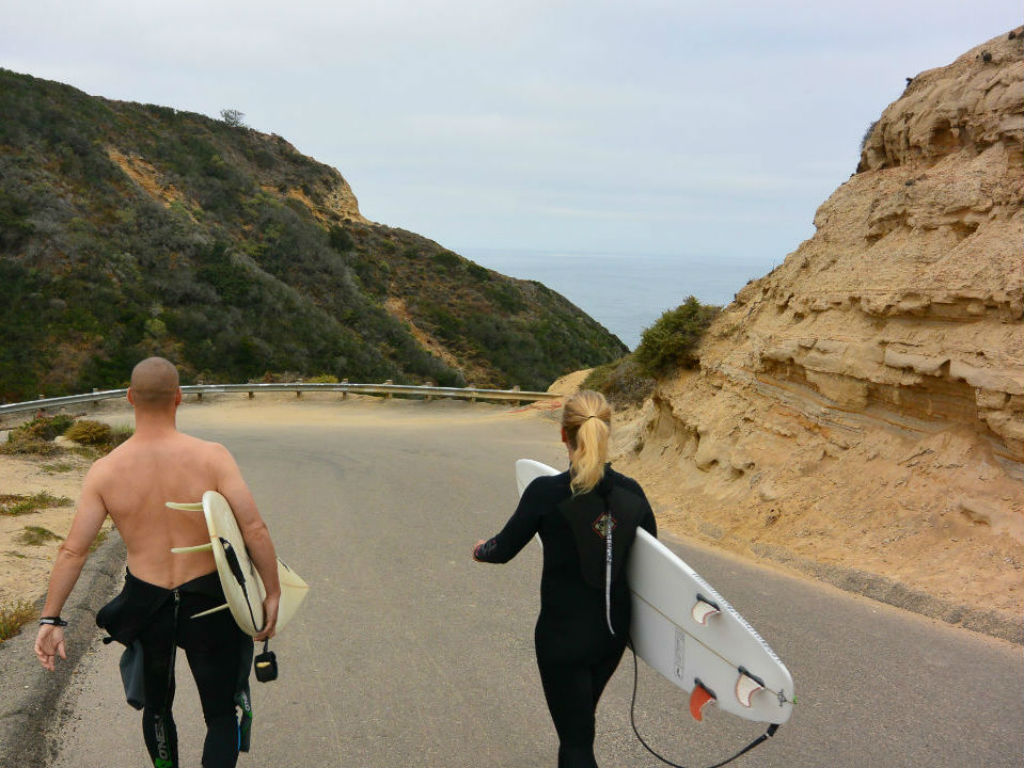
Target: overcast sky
[(710, 129)]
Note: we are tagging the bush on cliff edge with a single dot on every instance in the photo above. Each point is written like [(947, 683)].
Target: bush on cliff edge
[(672, 342)]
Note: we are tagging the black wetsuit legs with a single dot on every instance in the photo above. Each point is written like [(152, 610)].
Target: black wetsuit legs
[(213, 657), (572, 692), (212, 645)]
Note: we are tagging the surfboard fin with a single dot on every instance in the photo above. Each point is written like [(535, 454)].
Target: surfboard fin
[(747, 685), (700, 698), (218, 609), (196, 548), (185, 506), (704, 609)]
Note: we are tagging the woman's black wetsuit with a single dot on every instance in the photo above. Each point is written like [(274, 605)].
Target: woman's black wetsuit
[(576, 651)]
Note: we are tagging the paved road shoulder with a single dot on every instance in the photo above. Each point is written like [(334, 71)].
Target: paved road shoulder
[(31, 694)]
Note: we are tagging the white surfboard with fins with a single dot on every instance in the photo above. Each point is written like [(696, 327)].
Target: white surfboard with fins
[(688, 632), (243, 587)]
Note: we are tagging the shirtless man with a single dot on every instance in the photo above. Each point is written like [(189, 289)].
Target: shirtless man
[(164, 590)]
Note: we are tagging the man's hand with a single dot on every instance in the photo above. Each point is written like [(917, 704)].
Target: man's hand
[(270, 605), (49, 643)]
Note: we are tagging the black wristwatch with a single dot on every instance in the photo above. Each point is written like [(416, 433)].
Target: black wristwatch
[(56, 621)]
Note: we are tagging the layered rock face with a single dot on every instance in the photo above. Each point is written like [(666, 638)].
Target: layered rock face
[(338, 201), (864, 403)]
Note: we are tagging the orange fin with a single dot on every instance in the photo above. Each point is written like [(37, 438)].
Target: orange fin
[(699, 699)]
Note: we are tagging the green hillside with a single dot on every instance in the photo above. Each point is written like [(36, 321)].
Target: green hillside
[(129, 229)]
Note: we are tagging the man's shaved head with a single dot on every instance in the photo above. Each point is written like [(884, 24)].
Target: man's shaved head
[(154, 382)]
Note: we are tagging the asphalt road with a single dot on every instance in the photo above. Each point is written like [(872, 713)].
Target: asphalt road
[(407, 653)]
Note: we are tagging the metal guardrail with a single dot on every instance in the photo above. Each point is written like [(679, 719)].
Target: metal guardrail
[(386, 389)]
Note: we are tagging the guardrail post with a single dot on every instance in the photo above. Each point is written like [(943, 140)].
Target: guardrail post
[(344, 392), (472, 398), (251, 395), (199, 397), (95, 403), (388, 383), (517, 388), (298, 392)]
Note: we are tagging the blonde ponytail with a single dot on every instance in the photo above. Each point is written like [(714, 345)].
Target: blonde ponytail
[(586, 419)]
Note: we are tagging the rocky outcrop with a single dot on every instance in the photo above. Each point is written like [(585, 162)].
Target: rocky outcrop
[(333, 200), (864, 402)]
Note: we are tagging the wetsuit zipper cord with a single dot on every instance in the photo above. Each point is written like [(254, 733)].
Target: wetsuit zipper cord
[(608, 565)]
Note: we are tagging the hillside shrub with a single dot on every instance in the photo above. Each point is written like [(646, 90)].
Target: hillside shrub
[(506, 295), (339, 239), (672, 342), (15, 227), (36, 437), (43, 427), (621, 382), (233, 118), (478, 273), (87, 432), (29, 446), (447, 259)]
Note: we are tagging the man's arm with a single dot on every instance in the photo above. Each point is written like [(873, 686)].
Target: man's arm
[(254, 530), (71, 556)]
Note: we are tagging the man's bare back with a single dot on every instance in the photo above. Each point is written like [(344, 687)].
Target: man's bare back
[(134, 483)]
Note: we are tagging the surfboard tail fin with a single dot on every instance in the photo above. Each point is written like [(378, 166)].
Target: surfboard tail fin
[(196, 548), (747, 684), (185, 506), (700, 697), (218, 609), (704, 609)]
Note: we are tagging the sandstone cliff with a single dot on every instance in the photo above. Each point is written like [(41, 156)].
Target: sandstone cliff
[(862, 406)]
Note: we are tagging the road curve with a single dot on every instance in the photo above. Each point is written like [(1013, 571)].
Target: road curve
[(408, 653)]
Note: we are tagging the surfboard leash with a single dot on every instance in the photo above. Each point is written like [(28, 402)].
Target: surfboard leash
[(772, 728), (236, 570)]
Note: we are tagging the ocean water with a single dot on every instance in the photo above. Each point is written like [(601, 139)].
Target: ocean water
[(626, 293)]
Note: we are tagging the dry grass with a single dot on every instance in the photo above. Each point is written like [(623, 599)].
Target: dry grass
[(13, 617), (36, 536), (57, 467), (13, 504)]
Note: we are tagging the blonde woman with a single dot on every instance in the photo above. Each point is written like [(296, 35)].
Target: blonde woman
[(587, 519)]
